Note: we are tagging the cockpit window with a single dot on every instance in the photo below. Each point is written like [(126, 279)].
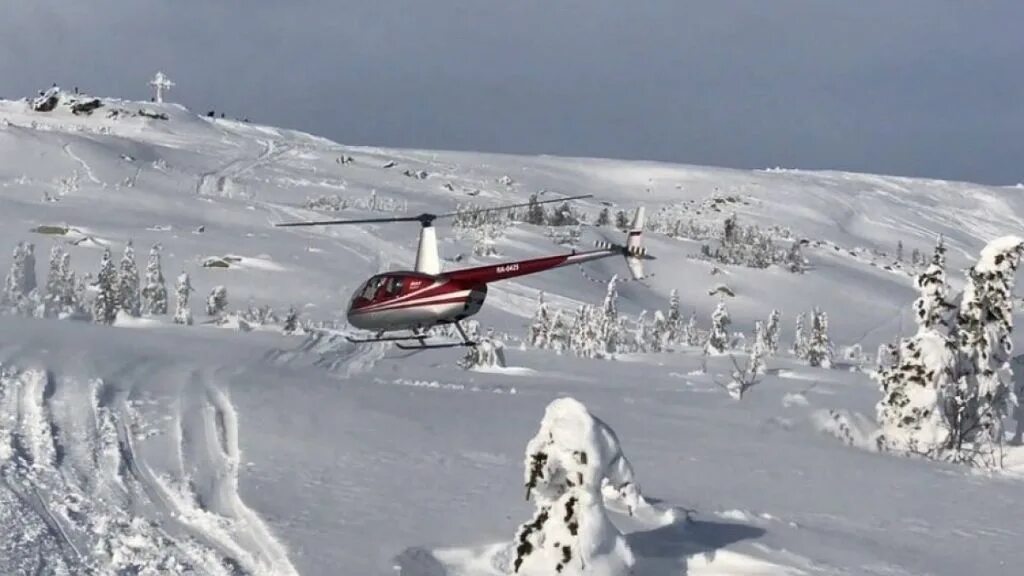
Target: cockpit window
[(370, 290), (394, 285)]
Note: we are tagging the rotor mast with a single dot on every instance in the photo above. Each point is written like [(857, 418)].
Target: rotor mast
[(427, 259)]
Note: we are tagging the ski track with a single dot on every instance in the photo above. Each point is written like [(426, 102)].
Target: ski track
[(238, 167), (76, 483), (85, 166)]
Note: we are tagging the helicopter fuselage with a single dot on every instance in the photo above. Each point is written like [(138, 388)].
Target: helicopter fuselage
[(408, 300)]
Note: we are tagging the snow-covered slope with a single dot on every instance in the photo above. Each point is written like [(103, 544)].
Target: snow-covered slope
[(207, 449)]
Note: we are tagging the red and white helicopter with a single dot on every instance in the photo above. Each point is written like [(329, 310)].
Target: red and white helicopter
[(417, 300)]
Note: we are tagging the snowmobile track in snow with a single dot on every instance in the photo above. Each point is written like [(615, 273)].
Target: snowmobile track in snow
[(86, 500)]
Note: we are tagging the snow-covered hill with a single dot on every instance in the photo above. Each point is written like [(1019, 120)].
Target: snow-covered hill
[(207, 449)]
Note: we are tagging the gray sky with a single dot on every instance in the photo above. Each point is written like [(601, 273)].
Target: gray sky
[(914, 87)]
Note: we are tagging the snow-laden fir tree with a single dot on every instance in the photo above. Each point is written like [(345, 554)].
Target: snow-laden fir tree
[(799, 338), (772, 333), (30, 268), (641, 337), (182, 293), (73, 302), (540, 328), (104, 305), (53, 299), (574, 465), (604, 218), (819, 347), (759, 351), (154, 293), (674, 320), (217, 301), (984, 395), (128, 283), (692, 332), (718, 338), (16, 283), (609, 329), (660, 333), (558, 336)]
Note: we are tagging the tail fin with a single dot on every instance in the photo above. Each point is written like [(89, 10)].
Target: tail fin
[(634, 251)]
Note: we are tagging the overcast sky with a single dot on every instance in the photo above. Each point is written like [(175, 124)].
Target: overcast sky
[(914, 87)]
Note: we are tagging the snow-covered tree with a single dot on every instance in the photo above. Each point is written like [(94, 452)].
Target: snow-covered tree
[(535, 211), (691, 331), (128, 283), (104, 306), (795, 258), (53, 299), (939, 256), (772, 333), (910, 415), (621, 220), (291, 321), (660, 333), (489, 352), (899, 251), (799, 338), (819, 347), (718, 339), (540, 328), (558, 337), (604, 218), (217, 301), (933, 310), (15, 284), (984, 394), (73, 302), (885, 357), (182, 293), (30, 268), (609, 329), (154, 293), (573, 466), (563, 216), (674, 320)]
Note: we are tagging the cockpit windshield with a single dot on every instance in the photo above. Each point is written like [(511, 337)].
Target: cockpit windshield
[(369, 290)]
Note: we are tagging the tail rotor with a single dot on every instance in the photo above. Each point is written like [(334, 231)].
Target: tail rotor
[(634, 251)]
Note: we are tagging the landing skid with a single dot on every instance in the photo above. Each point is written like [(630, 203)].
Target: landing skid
[(420, 341), (424, 346)]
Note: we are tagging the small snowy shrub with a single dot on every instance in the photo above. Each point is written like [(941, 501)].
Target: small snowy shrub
[(217, 301)]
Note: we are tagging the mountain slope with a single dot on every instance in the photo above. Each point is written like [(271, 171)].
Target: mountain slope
[(255, 452)]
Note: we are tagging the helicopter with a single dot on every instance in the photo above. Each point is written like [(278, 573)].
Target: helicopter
[(414, 301)]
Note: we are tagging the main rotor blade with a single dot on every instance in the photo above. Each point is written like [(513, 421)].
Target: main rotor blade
[(510, 206), (338, 222)]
